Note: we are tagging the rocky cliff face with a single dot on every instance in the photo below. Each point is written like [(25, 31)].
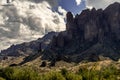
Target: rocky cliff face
[(91, 34)]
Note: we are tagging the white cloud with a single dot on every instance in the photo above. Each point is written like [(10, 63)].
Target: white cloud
[(78, 2), (25, 20), (99, 3)]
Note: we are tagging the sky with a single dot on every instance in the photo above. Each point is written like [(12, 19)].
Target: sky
[(76, 6)]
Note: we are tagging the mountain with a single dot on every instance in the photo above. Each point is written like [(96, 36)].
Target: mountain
[(28, 48), (92, 35), (88, 36)]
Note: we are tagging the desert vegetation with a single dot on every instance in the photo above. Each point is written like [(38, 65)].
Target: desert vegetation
[(26, 73)]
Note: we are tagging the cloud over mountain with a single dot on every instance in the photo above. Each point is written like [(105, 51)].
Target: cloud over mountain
[(99, 3), (26, 20)]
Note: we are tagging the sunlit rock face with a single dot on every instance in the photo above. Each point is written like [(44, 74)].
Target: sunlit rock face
[(26, 20)]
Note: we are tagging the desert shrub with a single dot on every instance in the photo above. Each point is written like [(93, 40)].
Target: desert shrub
[(7, 73), (53, 76), (89, 74), (26, 73), (72, 76), (64, 72), (43, 64), (2, 78), (69, 75), (106, 73), (84, 72), (110, 73), (19, 74)]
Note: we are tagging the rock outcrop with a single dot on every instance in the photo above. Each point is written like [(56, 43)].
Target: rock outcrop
[(91, 34)]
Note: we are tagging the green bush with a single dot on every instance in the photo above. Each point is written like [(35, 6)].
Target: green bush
[(19, 74), (110, 73), (69, 75), (26, 73), (64, 72), (106, 73), (2, 78), (53, 76), (72, 76)]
